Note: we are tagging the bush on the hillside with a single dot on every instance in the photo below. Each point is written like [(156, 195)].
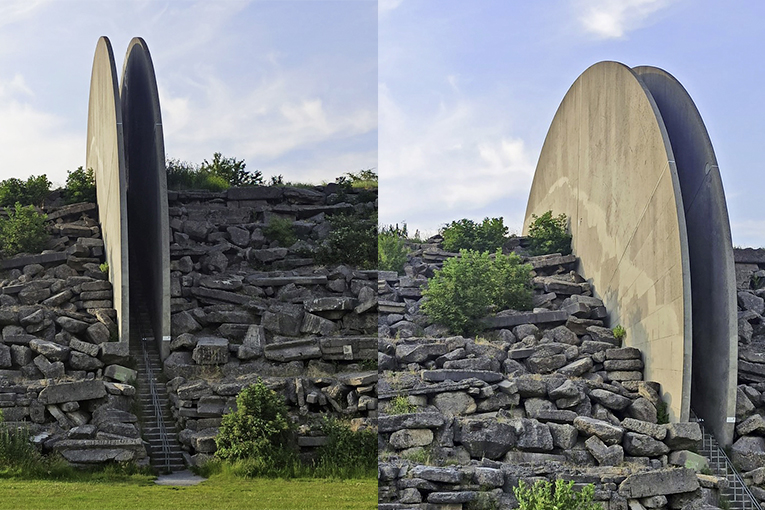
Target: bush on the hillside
[(391, 249), (281, 230), (182, 175), (547, 234), (466, 234), (232, 171), (260, 430), (347, 452), (80, 186), (362, 179), (352, 240), (471, 286), (543, 495), (23, 231), (33, 191)]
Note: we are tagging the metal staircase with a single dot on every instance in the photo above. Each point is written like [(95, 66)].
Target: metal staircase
[(737, 493), (157, 424)]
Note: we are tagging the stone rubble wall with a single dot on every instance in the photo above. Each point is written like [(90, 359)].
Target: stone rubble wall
[(243, 307), (62, 372), (748, 450), (540, 394)]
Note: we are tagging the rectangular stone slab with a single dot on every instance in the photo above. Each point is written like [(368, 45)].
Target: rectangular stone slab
[(72, 392)]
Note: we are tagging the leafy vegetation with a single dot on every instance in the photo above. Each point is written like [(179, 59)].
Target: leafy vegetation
[(662, 414), (352, 240), (400, 405), (466, 234), (182, 175), (348, 453), (281, 230), (231, 170), (619, 332), (33, 191), (391, 249), (547, 234), (80, 186), (469, 287), (543, 495), (362, 179), (259, 431), (23, 231)]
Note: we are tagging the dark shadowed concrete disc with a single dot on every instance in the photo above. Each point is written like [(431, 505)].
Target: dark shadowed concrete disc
[(608, 164), (106, 156), (713, 282), (147, 186)]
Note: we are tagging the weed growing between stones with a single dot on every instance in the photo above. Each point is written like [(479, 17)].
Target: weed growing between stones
[(662, 415), (400, 405), (547, 234), (352, 240), (348, 453), (280, 230), (619, 332), (470, 287), (543, 495)]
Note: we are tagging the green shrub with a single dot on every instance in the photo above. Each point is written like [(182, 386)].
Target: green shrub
[(400, 405), (32, 192), (543, 495), (662, 414), (182, 175), (80, 186), (362, 179), (260, 430), (548, 234), (466, 234), (280, 229), (469, 287), (347, 453), (231, 170), (391, 249), (23, 231), (619, 332), (352, 241)]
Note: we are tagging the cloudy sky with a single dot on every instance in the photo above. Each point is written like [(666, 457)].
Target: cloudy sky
[(289, 86), (467, 91)]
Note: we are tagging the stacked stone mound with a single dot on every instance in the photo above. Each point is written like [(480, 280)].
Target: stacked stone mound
[(62, 371), (748, 451), (543, 394), (245, 308)]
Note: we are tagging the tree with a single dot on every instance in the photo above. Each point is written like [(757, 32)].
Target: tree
[(232, 171)]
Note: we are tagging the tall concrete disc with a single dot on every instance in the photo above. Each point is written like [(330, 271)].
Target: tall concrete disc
[(607, 163), (715, 330), (147, 186), (106, 156)]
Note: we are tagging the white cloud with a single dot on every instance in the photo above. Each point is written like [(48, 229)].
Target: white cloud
[(34, 141), (386, 6), (457, 161), (609, 19), (13, 11)]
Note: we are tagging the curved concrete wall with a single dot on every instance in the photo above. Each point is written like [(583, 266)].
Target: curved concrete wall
[(713, 279), (105, 154), (608, 164), (147, 186)]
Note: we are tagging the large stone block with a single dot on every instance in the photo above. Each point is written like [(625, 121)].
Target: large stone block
[(211, 351), (72, 392), (659, 483)]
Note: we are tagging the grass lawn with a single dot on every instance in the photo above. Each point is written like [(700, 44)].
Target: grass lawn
[(219, 492)]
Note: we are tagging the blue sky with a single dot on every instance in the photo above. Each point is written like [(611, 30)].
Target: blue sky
[(467, 91), (289, 86)]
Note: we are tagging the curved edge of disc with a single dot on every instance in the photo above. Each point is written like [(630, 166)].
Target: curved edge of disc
[(147, 183), (715, 324), (607, 163), (105, 154)]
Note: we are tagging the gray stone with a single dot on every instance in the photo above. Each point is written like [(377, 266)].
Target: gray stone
[(692, 460), (51, 350), (72, 391), (121, 374), (683, 436), (418, 353), (21, 355), (211, 351), (624, 353), (532, 435), (451, 498), (748, 453), (564, 435), (84, 347), (577, 368), (293, 350), (608, 433), (72, 325), (601, 334), (459, 375), (610, 400), (420, 420), (6, 360), (659, 483), (562, 334), (50, 370), (650, 429), (640, 445), (748, 301), (642, 409), (486, 438), (454, 403), (409, 438), (605, 455), (755, 424), (114, 352), (81, 361), (183, 322), (437, 474)]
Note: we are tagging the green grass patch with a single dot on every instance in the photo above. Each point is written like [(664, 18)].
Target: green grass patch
[(219, 492)]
